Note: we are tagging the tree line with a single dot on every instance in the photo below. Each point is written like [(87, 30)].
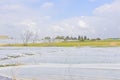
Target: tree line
[(68, 38), (29, 36)]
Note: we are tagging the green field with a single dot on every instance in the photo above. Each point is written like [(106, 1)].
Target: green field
[(100, 43)]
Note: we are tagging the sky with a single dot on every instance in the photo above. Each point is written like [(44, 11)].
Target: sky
[(93, 18)]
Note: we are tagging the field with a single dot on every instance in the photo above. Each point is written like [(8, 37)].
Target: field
[(100, 43), (60, 63), (66, 60)]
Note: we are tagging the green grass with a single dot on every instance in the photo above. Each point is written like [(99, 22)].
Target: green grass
[(101, 43)]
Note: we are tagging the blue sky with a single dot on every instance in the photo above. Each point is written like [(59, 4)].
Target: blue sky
[(61, 9), (94, 18), (73, 8)]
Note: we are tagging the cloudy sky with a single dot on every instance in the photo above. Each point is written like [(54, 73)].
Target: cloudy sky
[(94, 18)]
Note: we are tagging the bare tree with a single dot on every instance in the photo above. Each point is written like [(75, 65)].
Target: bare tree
[(26, 37)]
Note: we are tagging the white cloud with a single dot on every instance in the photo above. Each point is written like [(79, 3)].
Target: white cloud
[(108, 10), (12, 7), (47, 5), (82, 24), (72, 27), (57, 28), (104, 22), (15, 18)]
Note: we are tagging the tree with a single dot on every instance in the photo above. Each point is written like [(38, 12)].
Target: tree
[(74, 38), (26, 37), (60, 37), (85, 37), (79, 37), (98, 39), (67, 38), (47, 38), (82, 38)]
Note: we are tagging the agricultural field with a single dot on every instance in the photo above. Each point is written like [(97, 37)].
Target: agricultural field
[(59, 63)]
